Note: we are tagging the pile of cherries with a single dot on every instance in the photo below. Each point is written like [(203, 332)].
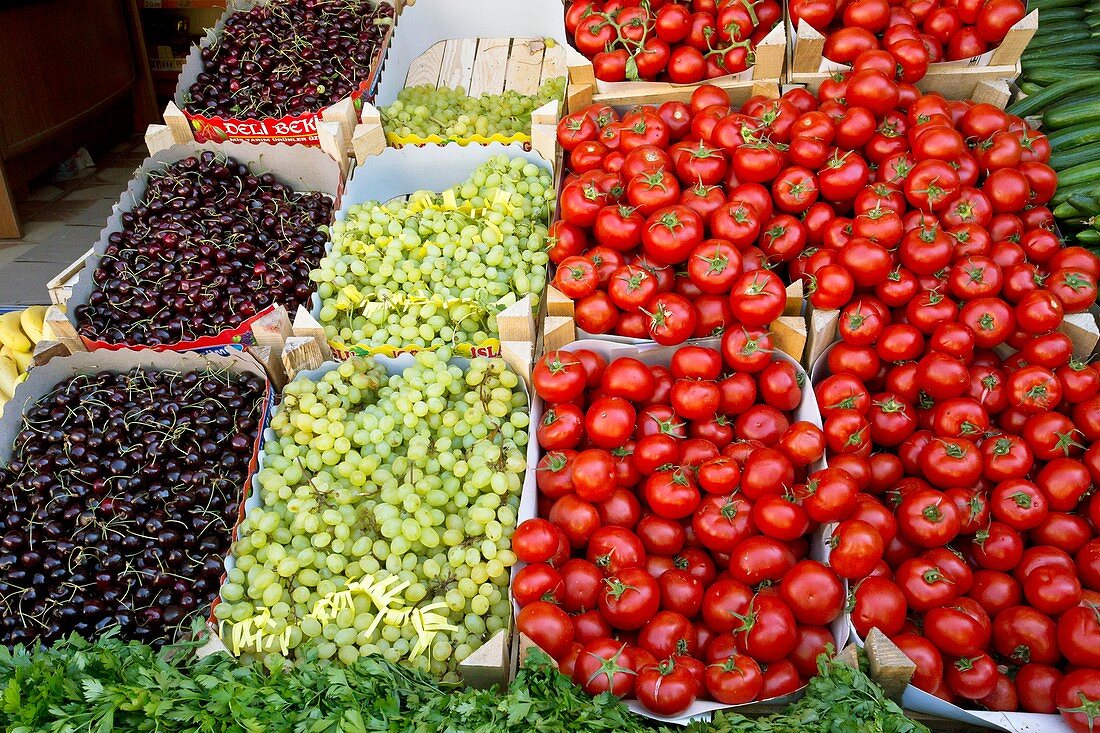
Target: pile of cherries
[(117, 506), (289, 57), (209, 245)]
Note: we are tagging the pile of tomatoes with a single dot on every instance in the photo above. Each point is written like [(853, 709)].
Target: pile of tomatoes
[(912, 34), (672, 560), (678, 221), (975, 545), (660, 40)]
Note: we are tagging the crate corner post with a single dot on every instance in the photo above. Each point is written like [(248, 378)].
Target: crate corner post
[(771, 54), (369, 137), (177, 122), (488, 665)]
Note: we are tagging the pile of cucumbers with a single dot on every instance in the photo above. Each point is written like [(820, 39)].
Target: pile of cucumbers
[(1060, 90), (1067, 42)]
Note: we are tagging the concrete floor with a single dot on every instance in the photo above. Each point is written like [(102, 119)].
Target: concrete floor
[(61, 222)]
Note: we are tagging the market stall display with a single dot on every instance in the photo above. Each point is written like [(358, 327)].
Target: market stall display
[(687, 523)]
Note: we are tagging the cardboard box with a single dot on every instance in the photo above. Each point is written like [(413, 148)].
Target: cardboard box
[(43, 379), (498, 50), (952, 79), (489, 664), (760, 78), (400, 171), (300, 129), (652, 354), (300, 167), (920, 701)]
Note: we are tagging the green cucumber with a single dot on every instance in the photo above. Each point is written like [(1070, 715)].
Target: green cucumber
[(1086, 174), (1066, 210), (1086, 204), (1085, 46), (1068, 138), (1045, 5), (1037, 102), (1056, 15), (1052, 76), (1067, 115), (1077, 156), (1088, 236)]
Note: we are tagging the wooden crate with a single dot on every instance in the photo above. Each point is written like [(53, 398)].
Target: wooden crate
[(763, 77), (807, 65), (480, 66)]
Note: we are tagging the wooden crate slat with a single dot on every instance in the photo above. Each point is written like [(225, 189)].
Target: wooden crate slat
[(457, 66), (524, 71), (425, 68), (490, 66), (553, 63)]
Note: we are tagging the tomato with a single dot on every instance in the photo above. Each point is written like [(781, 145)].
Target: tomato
[(925, 249), (813, 592), (668, 633), (948, 462), (720, 523), (561, 427), (565, 240), (831, 495), (780, 517), (1023, 634), (856, 548), (997, 17), (666, 689), (870, 88), (924, 585), (929, 671), (583, 582), (932, 185), (878, 602), (758, 298), (605, 665), (1076, 696), (997, 547), (681, 592), (831, 287), (628, 378), (767, 630), (672, 319), (1052, 590), (723, 602), (735, 680), (537, 582), (955, 632), (1078, 634), (671, 494), (547, 626), (842, 176), (972, 677)]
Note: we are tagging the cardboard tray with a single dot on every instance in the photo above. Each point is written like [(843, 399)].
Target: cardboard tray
[(662, 355), (920, 701), (42, 380), (400, 171), (292, 129), (757, 79), (301, 168), (490, 663)]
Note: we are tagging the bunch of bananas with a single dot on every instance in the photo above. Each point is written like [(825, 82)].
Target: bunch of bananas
[(19, 332)]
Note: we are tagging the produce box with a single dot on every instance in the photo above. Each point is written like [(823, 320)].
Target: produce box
[(762, 76), (303, 129), (662, 355), (398, 172), (807, 65), (301, 168), (490, 664), (499, 50), (42, 379)]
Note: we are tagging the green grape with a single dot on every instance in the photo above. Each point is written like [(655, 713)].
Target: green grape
[(433, 504)]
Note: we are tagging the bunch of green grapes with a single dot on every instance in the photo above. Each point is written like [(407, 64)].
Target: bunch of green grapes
[(452, 114), (436, 269), (415, 475)]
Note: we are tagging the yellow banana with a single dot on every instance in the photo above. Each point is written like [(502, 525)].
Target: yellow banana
[(9, 372), (31, 319), (22, 360), (11, 334)]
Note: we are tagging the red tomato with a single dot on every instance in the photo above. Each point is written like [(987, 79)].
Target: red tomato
[(548, 626)]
